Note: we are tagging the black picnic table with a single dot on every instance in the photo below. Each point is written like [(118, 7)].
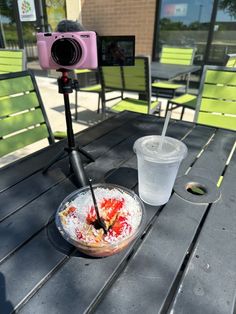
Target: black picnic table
[(168, 72), (165, 71), (183, 262)]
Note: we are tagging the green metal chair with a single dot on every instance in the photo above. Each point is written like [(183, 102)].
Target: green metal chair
[(135, 79), (188, 101), (23, 119), (216, 104), (173, 55), (12, 60), (90, 88), (177, 55)]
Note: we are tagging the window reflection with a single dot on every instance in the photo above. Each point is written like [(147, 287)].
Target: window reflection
[(8, 33), (224, 38), (188, 23)]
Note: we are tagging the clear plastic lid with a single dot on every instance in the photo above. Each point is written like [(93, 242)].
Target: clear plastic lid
[(172, 149)]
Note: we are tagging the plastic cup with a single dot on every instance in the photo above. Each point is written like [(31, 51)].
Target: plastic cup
[(157, 168)]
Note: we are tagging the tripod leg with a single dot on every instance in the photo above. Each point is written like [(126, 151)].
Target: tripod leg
[(82, 151), (53, 161), (77, 167)]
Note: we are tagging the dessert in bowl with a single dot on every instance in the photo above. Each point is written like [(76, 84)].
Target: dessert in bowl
[(121, 210)]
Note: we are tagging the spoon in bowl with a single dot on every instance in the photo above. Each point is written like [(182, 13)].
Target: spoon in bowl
[(100, 221)]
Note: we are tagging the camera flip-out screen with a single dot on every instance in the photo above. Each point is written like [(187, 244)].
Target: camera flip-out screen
[(116, 50)]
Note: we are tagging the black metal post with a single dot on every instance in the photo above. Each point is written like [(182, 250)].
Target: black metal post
[(156, 41), (18, 25), (211, 32), (65, 87)]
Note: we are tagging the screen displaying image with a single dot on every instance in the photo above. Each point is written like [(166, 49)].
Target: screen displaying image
[(116, 50)]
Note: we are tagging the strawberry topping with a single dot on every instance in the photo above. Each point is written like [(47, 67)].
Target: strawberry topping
[(120, 226), (79, 234), (111, 206), (91, 217)]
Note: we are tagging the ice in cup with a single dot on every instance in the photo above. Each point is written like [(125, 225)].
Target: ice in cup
[(158, 167)]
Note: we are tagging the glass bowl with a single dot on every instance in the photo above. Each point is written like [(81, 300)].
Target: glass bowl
[(121, 209)]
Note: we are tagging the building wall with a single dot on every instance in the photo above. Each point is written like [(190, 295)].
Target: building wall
[(73, 10), (122, 17)]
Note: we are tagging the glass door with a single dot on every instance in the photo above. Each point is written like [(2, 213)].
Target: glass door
[(183, 23), (224, 36), (8, 29)]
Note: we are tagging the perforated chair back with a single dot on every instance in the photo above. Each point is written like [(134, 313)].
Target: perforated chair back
[(177, 55), (23, 119), (12, 60), (216, 104)]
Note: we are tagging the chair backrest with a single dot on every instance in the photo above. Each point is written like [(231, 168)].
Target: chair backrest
[(216, 103), (12, 60), (134, 78), (137, 78), (111, 78), (231, 60), (177, 55), (23, 119)]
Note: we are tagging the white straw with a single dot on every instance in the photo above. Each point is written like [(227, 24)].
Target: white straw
[(167, 119)]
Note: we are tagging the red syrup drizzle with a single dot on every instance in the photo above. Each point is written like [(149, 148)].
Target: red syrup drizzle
[(110, 210)]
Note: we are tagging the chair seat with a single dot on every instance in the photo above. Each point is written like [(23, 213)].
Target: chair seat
[(167, 85), (59, 135), (135, 105), (81, 71), (93, 88), (187, 100)]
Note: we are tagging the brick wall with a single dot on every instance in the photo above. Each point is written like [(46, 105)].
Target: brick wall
[(122, 17)]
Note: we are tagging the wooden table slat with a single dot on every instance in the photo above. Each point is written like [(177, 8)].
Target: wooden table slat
[(150, 210), (24, 224), (38, 274), (13, 173), (208, 284), (197, 139), (144, 286), (218, 150), (41, 183)]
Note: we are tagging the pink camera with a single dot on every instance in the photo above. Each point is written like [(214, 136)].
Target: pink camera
[(73, 50)]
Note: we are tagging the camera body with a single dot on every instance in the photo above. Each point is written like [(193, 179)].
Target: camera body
[(69, 50)]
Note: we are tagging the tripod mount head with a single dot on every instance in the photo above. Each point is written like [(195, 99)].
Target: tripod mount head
[(66, 85)]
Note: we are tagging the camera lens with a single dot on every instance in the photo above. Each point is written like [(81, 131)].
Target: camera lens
[(66, 51)]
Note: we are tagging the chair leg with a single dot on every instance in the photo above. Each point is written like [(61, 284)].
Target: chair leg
[(182, 113), (99, 100), (103, 103), (159, 107), (167, 107)]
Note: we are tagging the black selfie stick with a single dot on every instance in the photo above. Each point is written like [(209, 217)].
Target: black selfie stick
[(65, 87)]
